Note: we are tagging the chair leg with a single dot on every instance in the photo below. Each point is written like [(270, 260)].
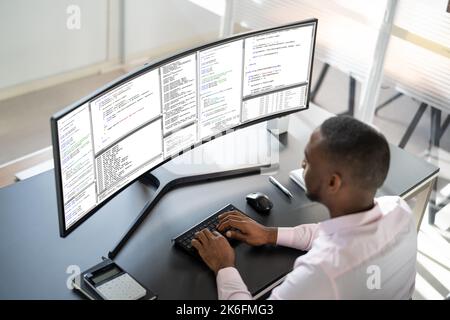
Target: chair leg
[(388, 101), (351, 98), (322, 75), (412, 126)]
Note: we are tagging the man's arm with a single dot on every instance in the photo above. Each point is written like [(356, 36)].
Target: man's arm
[(305, 282), (255, 234), (300, 237), (217, 253), (230, 285)]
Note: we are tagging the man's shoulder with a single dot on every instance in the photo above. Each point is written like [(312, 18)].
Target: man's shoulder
[(393, 204)]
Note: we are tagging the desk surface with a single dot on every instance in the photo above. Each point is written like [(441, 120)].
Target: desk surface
[(34, 260)]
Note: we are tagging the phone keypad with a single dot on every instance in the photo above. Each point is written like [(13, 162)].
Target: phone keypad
[(123, 287)]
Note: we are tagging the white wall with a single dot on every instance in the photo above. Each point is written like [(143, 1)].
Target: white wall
[(35, 42), (173, 24)]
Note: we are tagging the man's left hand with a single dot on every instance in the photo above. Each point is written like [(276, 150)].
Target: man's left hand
[(214, 249)]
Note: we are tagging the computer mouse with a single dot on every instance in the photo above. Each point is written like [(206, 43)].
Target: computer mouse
[(260, 202)]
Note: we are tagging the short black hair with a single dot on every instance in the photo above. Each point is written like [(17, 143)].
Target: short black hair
[(359, 147)]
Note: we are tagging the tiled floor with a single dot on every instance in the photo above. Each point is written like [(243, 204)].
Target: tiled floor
[(24, 128)]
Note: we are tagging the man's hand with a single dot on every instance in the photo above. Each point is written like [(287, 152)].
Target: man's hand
[(250, 231), (214, 249)]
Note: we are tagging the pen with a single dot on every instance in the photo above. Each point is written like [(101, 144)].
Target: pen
[(280, 186)]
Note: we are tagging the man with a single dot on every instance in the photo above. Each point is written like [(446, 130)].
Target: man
[(366, 250)]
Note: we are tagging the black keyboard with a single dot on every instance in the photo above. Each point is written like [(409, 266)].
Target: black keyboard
[(183, 241)]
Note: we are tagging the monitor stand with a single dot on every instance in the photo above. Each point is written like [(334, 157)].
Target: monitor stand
[(165, 180)]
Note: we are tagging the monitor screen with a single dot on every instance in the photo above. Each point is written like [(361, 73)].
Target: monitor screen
[(109, 139)]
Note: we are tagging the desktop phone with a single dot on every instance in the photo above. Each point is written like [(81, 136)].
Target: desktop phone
[(109, 281)]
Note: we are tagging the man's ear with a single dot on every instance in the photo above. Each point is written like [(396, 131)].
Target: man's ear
[(335, 183)]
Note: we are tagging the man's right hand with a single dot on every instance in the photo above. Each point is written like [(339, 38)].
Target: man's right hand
[(250, 231)]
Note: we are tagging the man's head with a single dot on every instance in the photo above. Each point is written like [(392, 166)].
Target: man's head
[(345, 159)]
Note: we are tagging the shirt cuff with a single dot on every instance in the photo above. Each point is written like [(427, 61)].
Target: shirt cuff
[(285, 236), (230, 285), (228, 273)]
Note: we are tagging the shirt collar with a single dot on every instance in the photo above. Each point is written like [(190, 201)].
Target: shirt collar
[(351, 220)]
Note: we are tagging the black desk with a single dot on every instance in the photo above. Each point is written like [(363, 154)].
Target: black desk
[(34, 259)]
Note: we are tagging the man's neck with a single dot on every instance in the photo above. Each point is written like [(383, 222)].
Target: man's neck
[(357, 204)]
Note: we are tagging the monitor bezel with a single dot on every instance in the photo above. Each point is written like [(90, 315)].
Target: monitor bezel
[(147, 67)]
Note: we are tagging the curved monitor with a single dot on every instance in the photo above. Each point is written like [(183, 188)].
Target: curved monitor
[(107, 140)]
